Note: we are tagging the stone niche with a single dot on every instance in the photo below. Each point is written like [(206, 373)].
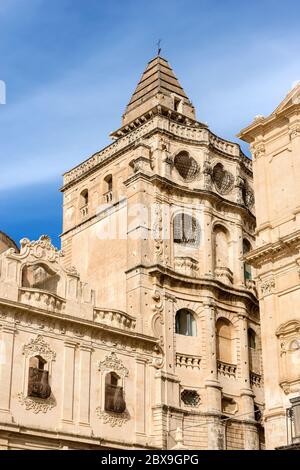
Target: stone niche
[(288, 336)]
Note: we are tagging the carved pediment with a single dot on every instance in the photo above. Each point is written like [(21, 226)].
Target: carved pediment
[(38, 346), (293, 97), (288, 328)]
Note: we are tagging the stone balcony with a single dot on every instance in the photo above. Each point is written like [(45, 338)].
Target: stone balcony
[(186, 265), (224, 275), (188, 360), (114, 318), (84, 211), (251, 285), (42, 299), (108, 197), (255, 379), (226, 369)]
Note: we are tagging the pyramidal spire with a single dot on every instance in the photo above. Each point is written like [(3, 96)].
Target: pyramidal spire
[(158, 86)]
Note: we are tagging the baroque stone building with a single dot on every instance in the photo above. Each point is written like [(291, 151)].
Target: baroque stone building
[(144, 331), (275, 146)]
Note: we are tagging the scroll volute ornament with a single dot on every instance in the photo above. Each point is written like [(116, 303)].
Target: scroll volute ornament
[(223, 179), (38, 385)]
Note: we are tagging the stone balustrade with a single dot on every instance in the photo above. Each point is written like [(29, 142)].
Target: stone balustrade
[(250, 284), (186, 360), (42, 299), (194, 132), (255, 379), (224, 274), (84, 211), (228, 370), (186, 265), (114, 318)]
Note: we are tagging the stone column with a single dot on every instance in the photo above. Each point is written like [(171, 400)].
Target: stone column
[(207, 242), (238, 267), (212, 384), (251, 440), (68, 384), (6, 368), (85, 385), (140, 399)]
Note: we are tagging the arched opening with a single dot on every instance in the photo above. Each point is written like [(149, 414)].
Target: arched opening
[(114, 395), (225, 341), (108, 183), (221, 247), (84, 198), (185, 323), (186, 166), (40, 276), (247, 266), (84, 202), (186, 230), (38, 378), (177, 104), (251, 338)]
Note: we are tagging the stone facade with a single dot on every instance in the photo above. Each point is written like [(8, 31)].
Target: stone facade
[(151, 291), (275, 146)]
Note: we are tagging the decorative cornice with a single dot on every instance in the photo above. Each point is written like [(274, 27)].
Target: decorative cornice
[(73, 321), (271, 251), (197, 133)]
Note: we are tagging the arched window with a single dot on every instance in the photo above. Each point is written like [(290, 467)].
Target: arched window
[(38, 385), (39, 276), (225, 341), (247, 267), (114, 396), (84, 198), (186, 230), (177, 104), (186, 166), (221, 247), (185, 323), (83, 202), (251, 339), (108, 182)]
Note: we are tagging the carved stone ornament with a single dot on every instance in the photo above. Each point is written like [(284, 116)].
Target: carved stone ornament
[(259, 151), (223, 179), (113, 419), (38, 346), (295, 132), (36, 405), (113, 364), (40, 249), (267, 287), (157, 320)]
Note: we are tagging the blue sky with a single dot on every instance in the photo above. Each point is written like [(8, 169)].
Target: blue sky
[(70, 67)]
